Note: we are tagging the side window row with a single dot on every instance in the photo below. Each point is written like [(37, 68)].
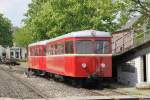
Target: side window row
[(36, 51), (60, 48), (54, 49)]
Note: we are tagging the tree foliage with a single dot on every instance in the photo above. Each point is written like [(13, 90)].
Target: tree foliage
[(139, 7), (22, 38), (51, 18), (5, 31), (134, 7)]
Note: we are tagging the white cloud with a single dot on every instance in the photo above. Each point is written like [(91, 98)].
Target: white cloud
[(14, 10)]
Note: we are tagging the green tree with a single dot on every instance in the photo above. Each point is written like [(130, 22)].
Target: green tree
[(141, 6), (22, 38), (51, 18), (5, 31)]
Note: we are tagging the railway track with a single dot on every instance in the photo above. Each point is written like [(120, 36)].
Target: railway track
[(104, 93), (25, 83), (93, 92), (40, 94)]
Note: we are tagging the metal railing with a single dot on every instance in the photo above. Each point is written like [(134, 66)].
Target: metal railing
[(129, 40)]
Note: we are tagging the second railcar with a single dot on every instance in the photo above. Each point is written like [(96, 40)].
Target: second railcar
[(37, 56)]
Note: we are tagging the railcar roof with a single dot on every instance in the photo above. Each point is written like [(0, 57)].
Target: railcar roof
[(39, 43), (85, 33)]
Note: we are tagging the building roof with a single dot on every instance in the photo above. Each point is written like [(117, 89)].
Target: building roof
[(84, 33), (129, 23)]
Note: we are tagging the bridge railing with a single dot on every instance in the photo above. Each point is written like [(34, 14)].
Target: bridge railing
[(129, 40)]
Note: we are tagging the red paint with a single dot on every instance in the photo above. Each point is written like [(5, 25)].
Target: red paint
[(72, 65)]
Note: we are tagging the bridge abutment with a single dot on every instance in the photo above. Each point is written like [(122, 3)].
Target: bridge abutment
[(134, 71)]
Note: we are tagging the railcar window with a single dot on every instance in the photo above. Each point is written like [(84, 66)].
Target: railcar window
[(51, 50), (44, 51), (60, 48), (84, 47), (47, 49), (69, 47), (88, 47), (30, 52), (36, 51), (102, 47), (40, 51), (55, 50)]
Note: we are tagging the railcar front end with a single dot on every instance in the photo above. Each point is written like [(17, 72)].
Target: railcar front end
[(92, 58)]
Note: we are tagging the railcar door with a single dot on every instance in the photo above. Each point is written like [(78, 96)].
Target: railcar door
[(30, 54), (41, 59), (36, 57), (33, 57)]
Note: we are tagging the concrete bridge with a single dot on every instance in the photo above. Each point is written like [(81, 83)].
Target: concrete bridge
[(131, 56)]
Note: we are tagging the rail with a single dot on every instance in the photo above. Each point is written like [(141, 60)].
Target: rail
[(129, 40)]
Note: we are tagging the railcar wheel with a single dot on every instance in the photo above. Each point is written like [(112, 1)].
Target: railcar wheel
[(66, 79), (47, 75), (80, 83)]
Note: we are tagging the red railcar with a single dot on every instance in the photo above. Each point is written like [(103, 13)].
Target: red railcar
[(37, 55), (77, 54)]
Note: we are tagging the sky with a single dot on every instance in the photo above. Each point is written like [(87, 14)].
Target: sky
[(14, 10)]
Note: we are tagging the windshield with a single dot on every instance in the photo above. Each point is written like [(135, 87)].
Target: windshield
[(102, 47), (84, 47), (92, 47)]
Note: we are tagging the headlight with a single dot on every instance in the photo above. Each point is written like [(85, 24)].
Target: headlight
[(84, 65), (103, 65)]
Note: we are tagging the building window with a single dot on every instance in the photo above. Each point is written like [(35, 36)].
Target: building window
[(11, 53), (17, 54)]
